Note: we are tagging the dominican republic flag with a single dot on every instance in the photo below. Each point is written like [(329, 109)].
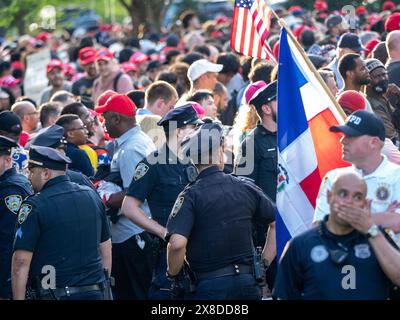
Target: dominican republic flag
[(307, 150), (251, 25)]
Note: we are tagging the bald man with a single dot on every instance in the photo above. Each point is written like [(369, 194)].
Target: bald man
[(28, 114), (393, 63), (345, 257)]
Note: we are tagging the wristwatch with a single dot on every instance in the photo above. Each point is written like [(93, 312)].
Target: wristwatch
[(373, 231)]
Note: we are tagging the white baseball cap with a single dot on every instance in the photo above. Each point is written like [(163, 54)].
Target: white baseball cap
[(202, 66)]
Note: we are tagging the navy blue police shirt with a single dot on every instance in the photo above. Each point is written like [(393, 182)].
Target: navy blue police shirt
[(63, 226), (14, 188), (161, 182), (215, 214), (307, 270), (265, 159)]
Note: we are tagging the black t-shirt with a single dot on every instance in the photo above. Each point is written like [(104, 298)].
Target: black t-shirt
[(160, 178), (393, 70), (63, 226), (83, 87), (308, 271), (215, 214)]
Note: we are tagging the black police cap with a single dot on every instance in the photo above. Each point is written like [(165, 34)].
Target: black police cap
[(204, 140), (267, 95), (52, 137), (182, 115), (361, 123), (6, 145), (10, 122), (47, 158)]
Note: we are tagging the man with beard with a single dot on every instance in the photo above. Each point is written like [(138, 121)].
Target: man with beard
[(354, 72), (377, 91), (87, 59)]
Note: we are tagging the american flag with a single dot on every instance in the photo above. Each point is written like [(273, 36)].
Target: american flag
[(250, 29)]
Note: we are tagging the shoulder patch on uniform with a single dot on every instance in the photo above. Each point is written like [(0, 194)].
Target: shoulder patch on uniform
[(24, 212), (13, 203), (177, 206), (140, 171)]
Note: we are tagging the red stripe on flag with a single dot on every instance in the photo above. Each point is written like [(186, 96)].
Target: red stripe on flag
[(251, 49), (310, 186), (328, 148), (234, 27), (244, 30)]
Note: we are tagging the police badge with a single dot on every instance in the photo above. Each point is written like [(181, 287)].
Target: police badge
[(13, 203), (177, 206), (140, 171), (24, 213), (362, 251)]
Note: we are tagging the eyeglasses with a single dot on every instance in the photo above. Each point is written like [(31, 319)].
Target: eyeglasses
[(84, 127)]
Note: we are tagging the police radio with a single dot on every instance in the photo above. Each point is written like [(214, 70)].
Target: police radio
[(259, 267)]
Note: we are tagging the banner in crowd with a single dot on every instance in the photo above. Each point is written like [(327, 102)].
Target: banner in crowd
[(307, 150), (35, 76)]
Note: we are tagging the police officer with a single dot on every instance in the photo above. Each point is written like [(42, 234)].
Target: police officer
[(344, 257), (11, 127), (14, 188), (62, 242), (53, 137), (258, 157), (211, 222), (160, 178)]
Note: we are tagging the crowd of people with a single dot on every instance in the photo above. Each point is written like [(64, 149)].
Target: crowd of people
[(149, 165)]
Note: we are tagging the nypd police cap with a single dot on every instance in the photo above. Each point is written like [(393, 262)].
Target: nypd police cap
[(6, 145), (51, 137), (47, 158), (268, 94), (361, 123), (182, 115), (204, 140)]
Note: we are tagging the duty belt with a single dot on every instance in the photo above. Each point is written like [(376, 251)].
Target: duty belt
[(68, 291), (232, 269)]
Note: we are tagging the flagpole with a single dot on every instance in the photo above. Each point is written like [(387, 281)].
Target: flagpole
[(309, 64)]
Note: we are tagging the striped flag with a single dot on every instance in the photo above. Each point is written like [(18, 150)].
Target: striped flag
[(306, 147), (250, 29)]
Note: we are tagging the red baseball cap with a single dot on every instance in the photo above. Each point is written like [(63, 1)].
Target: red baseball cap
[(393, 22), (320, 5), (388, 5), (370, 45), (87, 55), (43, 36), (351, 100), (9, 81), (139, 58), (128, 66), (102, 99), (104, 54), (361, 10), (17, 65), (119, 103), (54, 64)]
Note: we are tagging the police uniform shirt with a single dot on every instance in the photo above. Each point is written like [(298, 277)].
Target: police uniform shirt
[(307, 271), (383, 187), (130, 148), (264, 159), (14, 188), (63, 226), (80, 160), (215, 214), (161, 182)]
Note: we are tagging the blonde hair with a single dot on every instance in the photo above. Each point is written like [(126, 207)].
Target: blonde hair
[(148, 124), (245, 121)]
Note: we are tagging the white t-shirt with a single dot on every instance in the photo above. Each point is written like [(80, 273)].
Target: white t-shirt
[(383, 187)]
